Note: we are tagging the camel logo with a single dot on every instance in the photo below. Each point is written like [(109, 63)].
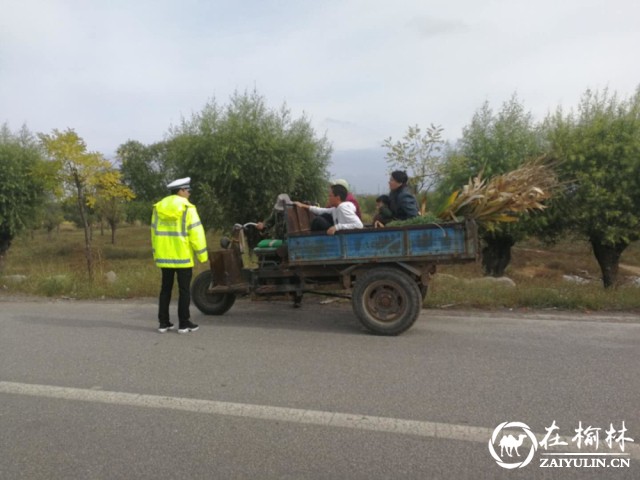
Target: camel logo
[(510, 444)]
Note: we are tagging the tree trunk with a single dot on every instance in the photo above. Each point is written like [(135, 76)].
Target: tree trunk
[(5, 243), (87, 233), (113, 232), (608, 257), (496, 255)]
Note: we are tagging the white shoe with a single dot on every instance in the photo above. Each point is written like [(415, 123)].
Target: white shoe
[(191, 327)]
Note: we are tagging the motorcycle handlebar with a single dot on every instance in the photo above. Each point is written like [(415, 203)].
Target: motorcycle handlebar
[(239, 226)]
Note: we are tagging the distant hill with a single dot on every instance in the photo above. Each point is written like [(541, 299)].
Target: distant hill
[(365, 169)]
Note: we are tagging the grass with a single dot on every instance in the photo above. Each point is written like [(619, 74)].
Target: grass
[(538, 272), (56, 267), (458, 292)]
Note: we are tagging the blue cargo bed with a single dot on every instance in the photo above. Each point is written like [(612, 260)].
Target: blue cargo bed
[(438, 243)]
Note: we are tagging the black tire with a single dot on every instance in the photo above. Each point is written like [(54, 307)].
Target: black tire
[(386, 301), (209, 304)]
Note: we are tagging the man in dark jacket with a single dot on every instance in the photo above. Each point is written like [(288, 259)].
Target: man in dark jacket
[(402, 202)]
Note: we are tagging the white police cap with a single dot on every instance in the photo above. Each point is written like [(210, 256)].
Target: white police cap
[(180, 183)]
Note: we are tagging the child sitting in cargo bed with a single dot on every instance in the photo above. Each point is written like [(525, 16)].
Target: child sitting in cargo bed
[(383, 209)]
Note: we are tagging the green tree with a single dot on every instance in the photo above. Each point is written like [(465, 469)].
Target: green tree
[(78, 171), (420, 155), (52, 214), (25, 181), (110, 198), (599, 151), (145, 171), (493, 144), (242, 156)]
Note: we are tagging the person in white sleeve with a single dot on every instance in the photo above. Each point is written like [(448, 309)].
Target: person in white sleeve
[(343, 212)]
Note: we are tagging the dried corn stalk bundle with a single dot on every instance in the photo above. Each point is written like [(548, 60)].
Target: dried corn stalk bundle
[(504, 197)]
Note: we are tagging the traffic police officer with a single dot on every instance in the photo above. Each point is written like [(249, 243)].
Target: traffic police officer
[(177, 235)]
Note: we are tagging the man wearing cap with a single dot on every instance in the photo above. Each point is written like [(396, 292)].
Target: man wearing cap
[(177, 235), (276, 222)]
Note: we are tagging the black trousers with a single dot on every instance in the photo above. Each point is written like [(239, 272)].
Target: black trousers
[(322, 222), (184, 295)]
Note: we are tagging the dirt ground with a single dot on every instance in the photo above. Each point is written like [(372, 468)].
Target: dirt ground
[(569, 258), (574, 258)]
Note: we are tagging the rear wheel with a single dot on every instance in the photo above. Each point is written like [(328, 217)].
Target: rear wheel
[(207, 303), (386, 301)]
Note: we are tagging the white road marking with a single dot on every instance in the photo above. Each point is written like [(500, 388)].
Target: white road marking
[(445, 431)]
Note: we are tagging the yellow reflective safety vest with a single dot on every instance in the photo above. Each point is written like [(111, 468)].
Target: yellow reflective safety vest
[(177, 233)]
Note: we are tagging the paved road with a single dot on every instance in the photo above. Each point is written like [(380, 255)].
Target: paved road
[(89, 390)]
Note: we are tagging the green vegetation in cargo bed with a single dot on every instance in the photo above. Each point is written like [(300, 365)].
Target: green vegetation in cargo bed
[(420, 220)]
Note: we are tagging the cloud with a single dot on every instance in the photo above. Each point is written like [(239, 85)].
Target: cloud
[(430, 27), (361, 70), (348, 135)]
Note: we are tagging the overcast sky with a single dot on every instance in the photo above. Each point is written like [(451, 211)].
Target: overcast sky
[(361, 70)]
